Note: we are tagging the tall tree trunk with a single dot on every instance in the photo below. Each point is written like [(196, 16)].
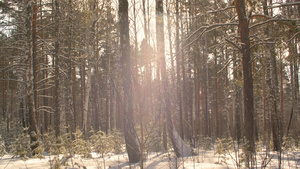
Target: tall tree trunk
[(272, 83), (197, 82), (180, 147), (45, 91), (179, 94), (184, 111), (34, 55), (58, 106), (172, 70), (110, 66), (131, 139), (248, 80), (30, 78), (70, 112), (92, 51)]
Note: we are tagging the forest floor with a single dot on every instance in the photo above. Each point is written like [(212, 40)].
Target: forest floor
[(204, 159)]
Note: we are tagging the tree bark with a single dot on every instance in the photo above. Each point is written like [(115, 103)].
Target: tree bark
[(237, 101), (86, 101)]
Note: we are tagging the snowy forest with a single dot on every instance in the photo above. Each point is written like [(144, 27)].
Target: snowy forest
[(149, 84)]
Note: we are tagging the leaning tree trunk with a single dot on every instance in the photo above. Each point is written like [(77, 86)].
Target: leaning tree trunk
[(132, 144), (248, 80), (180, 147)]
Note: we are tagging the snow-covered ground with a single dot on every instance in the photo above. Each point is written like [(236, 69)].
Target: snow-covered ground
[(204, 159)]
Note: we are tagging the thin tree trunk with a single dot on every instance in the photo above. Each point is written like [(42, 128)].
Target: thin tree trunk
[(281, 84), (184, 111), (34, 55), (216, 95), (297, 92), (145, 21), (82, 90), (74, 93), (165, 144), (12, 116), (292, 117), (58, 110), (205, 107), (4, 91), (197, 98)]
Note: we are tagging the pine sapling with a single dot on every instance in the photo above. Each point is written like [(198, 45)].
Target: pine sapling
[(2, 147)]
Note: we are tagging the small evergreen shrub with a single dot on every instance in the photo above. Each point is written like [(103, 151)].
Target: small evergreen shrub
[(205, 143), (51, 144), (2, 147), (9, 137), (101, 142), (80, 145), (117, 141), (228, 147), (21, 145), (289, 144)]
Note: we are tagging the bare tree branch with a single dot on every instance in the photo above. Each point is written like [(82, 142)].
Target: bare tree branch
[(285, 4), (234, 44)]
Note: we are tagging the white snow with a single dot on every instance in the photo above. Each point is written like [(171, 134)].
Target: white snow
[(204, 160)]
